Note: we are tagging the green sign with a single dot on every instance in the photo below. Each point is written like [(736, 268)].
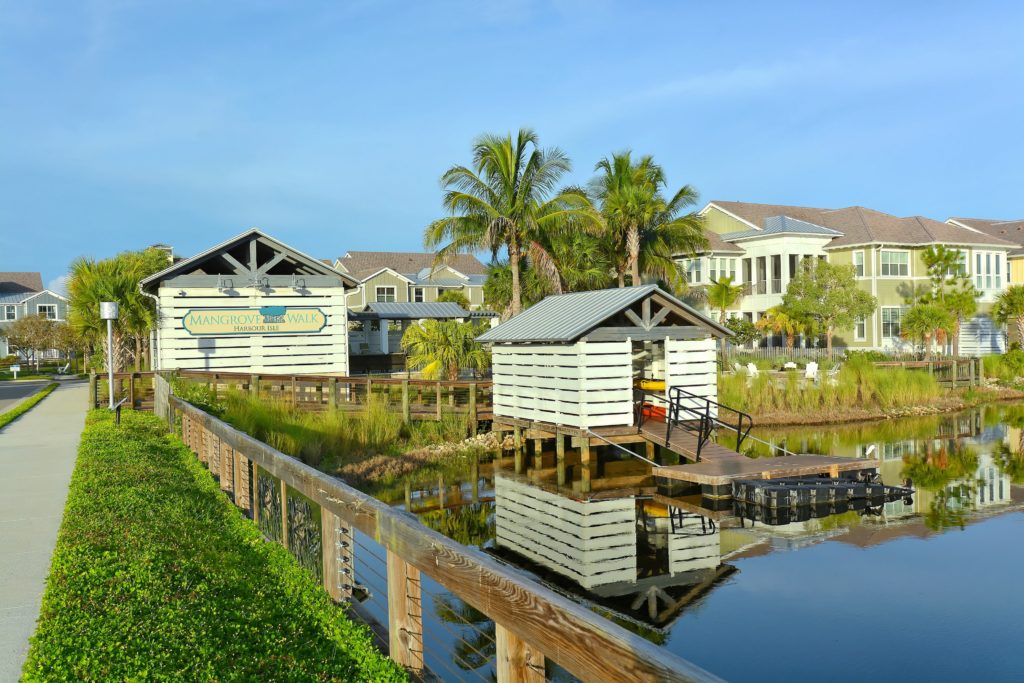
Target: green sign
[(219, 322)]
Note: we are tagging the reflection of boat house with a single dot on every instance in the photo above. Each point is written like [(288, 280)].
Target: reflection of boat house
[(251, 304)]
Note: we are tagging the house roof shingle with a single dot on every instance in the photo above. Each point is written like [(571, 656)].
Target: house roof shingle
[(362, 264), (20, 283), (860, 225), (1011, 231)]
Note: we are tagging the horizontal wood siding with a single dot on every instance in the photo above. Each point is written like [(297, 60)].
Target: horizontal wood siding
[(690, 364), (323, 353), (693, 546), (593, 543), (579, 385)]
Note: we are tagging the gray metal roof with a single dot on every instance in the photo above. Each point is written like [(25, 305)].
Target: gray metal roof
[(564, 318), (775, 225), (411, 311)]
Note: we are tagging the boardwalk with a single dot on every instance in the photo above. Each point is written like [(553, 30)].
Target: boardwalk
[(37, 455)]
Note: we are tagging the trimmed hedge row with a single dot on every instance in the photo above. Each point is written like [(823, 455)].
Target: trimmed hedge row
[(25, 406), (157, 577)]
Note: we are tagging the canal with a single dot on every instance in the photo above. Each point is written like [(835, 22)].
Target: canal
[(918, 588)]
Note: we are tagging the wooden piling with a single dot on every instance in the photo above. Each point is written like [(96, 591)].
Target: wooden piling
[(515, 661), (405, 613), (406, 412), (585, 464), (284, 514)]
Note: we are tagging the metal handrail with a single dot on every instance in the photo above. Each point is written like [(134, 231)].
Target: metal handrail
[(707, 422)]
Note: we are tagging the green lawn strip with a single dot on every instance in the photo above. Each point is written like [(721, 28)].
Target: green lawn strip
[(156, 576), (25, 406)]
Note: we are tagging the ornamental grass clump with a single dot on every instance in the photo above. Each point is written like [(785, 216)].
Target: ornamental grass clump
[(156, 576)]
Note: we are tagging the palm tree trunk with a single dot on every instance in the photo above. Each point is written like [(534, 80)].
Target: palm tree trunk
[(633, 245), (721, 321), (138, 353), (956, 338), (622, 277), (828, 341), (517, 291), (1020, 329)]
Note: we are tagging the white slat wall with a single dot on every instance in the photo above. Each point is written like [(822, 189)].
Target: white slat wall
[(690, 364), (583, 385), (690, 550), (321, 353), (593, 543)]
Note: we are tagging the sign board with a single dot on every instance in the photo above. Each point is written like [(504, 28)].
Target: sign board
[(15, 368), (221, 322)]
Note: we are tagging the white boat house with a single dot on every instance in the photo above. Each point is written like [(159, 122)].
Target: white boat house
[(573, 359), (254, 305)]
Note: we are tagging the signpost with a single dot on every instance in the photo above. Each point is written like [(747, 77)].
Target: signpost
[(15, 369), (109, 312)]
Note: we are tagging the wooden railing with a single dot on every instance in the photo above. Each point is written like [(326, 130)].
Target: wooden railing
[(531, 621), (135, 387), (952, 372)]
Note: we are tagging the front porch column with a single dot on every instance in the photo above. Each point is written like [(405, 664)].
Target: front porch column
[(384, 337)]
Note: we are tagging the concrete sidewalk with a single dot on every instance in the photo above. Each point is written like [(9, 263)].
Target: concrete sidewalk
[(37, 455)]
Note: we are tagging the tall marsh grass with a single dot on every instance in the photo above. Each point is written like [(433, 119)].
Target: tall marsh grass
[(859, 384)]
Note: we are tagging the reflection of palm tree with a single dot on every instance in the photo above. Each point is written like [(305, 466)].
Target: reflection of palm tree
[(950, 506), (471, 525), (474, 645), (1010, 463)]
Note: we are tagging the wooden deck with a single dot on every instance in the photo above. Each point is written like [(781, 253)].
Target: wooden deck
[(720, 465)]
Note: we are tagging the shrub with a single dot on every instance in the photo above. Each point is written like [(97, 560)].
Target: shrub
[(157, 577)]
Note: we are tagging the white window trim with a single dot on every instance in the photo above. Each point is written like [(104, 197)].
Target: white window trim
[(860, 337), (422, 294), (881, 320), (14, 309), (56, 311), (863, 262), (910, 265), (378, 288)]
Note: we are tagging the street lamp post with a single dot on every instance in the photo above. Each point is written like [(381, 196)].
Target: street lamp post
[(109, 312)]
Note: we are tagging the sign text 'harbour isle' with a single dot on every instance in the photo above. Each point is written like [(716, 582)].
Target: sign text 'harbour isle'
[(265, 320)]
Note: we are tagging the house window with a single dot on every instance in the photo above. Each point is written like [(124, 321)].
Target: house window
[(9, 313), (961, 265), (417, 294), (720, 267), (891, 316), (48, 311), (858, 263), (988, 270), (386, 294), (860, 329), (895, 263), (693, 274)]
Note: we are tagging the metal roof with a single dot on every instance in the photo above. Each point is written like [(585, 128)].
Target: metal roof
[(411, 311), (776, 225), (564, 318)]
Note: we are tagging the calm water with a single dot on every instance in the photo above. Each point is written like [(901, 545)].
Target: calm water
[(926, 589)]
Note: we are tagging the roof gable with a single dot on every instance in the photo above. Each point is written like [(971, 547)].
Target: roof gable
[(362, 263), (565, 318), (250, 256), (20, 282)]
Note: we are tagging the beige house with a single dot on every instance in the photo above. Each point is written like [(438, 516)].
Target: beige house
[(761, 246)]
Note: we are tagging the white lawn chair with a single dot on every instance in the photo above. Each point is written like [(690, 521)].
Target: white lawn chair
[(789, 365), (64, 370), (811, 371), (752, 370), (737, 367), (833, 373)]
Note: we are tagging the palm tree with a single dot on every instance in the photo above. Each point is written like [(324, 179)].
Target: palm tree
[(1009, 307), (646, 231), (443, 348), (962, 303), (509, 199), (498, 288), (779, 321), (926, 322), (722, 295)]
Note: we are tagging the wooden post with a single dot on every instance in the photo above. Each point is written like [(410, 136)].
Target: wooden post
[(332, 399), (474, 423), (517, 448), (408, 496), (369, 389), (437, 401), (336, 542), (584, 465), (405, 613), (651, 451), (254, 385), (538, 451), (970, 375), (243, 497), (227, 473), (131, 391), (474, 473), (515, 661), (255, 501), (295, 392), (560, 458), (284, 514), (406, 412), (93, 390), (170, 417), (981, 370)]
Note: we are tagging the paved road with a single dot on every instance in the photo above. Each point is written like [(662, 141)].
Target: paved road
[(13, 393), (37, 455)]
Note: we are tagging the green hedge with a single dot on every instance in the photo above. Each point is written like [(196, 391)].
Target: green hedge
[(25, 406), (156, 576)]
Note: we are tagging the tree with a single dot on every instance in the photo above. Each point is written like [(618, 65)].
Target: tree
[(962, 303), (722, 295), (743, 331), (508, 200), (951, 288), (498, 288), (826, 296), (443, 348), (1009, 308), (646, 231), (454, 296), (29, 335), (928, 322), (779, 321)]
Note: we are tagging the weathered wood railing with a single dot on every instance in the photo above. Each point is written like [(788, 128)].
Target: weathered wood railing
[(531, 621), (136, 387), (953, 372)]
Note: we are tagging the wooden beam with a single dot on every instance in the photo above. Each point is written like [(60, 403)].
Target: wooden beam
[(515, 661), (645, 308), (604, 334), (271, 263), (635, 319), (242, 270), (659, 316)]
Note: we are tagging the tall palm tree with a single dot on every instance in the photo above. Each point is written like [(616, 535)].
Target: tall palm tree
[(498, 288), (927, 322), (780, 321), (507, 200), (722, 295), (444, 348), (1009, 307), (646, 230)]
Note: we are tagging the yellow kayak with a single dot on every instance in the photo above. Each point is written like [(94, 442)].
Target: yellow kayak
[(650, 384)]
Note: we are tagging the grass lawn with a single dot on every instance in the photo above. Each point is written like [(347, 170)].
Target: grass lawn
[(156, 576), (25, 406)]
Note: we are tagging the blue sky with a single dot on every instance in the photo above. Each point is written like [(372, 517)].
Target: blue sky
[(328, 123)]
